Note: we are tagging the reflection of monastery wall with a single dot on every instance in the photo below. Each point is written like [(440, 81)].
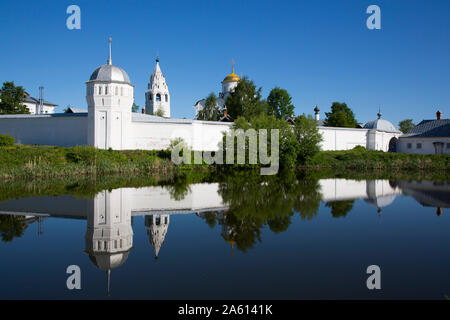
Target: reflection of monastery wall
[(199, 197), (342, 189)]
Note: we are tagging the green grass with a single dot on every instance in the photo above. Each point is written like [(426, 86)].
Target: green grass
[(361, 159), (31, 162), (46, 161)]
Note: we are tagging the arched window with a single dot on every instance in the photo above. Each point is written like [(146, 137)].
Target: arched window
[(121, 91), (117, 91), (106, 90), (167, 97), (158, 97), (150, 97), (99, 90)]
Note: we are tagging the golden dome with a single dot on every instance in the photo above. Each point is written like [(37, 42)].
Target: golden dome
[(232, 77)]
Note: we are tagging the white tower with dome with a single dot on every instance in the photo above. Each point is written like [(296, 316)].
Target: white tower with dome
[(157, 97), (109, 95)]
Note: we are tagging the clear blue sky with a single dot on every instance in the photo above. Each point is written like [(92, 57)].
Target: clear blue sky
[(320, 51)]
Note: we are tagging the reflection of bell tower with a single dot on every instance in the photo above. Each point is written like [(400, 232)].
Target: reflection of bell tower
[(157, 225), (109, 236)]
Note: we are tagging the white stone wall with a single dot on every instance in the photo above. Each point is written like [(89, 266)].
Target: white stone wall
[(199, 135), (64, 130), (427, 146)]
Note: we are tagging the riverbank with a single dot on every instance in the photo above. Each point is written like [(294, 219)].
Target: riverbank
[(31, 162)]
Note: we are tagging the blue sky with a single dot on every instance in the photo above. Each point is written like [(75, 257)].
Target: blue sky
[(320, 51)]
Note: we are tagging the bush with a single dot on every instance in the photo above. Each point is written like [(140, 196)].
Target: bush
[(6, 140)]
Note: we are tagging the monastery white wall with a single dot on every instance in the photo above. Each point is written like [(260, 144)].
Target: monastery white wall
[(343, 138), (199, 135), (54, 130), (348, 138)]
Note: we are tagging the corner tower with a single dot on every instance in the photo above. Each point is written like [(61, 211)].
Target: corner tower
[(157, 97), (109, 95)]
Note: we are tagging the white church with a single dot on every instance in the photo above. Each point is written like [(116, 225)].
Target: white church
[(110, 123)]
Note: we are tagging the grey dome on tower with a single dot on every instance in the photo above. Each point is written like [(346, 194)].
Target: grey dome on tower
[(381, 125), (109, 72)]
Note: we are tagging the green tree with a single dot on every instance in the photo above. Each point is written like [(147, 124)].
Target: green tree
[(11, 99), (210, 112), (245, 101), (340, 116), (308, 136), (159, 113), (135, 108), (279, 103), (406, 125)]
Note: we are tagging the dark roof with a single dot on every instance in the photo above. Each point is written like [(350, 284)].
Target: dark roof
[(430, 128), (30, 99), (75, 110)]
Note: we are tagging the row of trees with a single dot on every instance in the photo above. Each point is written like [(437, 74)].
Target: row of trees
[(246, 101)]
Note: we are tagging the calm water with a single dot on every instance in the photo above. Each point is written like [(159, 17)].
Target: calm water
[(243, 238)]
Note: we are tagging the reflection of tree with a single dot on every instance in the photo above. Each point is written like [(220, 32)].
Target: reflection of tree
[(12, 226), (256, 201), (340, 208), (210, 218), (179, 188)]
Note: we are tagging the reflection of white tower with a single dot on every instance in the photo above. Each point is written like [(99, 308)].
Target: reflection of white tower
[(157, 226), (109, 236), (157, 96), (109, 95), (380, 193)]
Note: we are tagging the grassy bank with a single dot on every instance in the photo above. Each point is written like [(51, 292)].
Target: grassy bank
[(22, 161), (359, 159), (31, 162)]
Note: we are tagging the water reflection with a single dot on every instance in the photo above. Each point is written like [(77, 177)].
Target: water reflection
[(242, 206)]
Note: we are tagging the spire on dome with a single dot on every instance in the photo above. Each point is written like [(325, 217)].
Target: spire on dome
[(379, 114), (232, 65), (109, 58)]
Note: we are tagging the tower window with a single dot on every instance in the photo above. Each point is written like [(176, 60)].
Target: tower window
[(121, 91), (158, 97), (106, 90), (100, 90), (167, 98), (117, 91), (150, 97), (419, 146)]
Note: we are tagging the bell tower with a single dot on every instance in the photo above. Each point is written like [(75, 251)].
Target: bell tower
[(157, 97)]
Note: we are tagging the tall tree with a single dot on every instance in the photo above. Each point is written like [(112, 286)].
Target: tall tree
[(340, 116), (279, 103), (211, 111), (11, 99), (406, 125), (308, 136), (245, 101)]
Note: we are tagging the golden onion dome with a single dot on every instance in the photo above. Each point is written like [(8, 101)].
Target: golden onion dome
[(232, 77)]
